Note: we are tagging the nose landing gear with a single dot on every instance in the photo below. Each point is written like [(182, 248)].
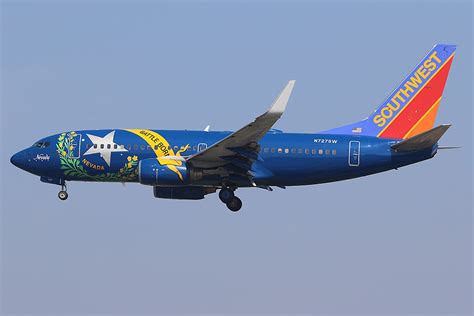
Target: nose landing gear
[(62, 195), (226, 195)]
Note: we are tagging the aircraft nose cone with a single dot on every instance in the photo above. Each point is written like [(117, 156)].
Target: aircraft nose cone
[(18, 160), (15, 159)]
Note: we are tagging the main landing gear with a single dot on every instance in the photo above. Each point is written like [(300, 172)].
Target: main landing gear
[(62, 195), (226, 195)]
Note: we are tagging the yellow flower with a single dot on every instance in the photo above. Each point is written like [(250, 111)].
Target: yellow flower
[(63, 153), (73, 134), (71, 147), (135, 158), (129, 158), (60, 145), (129, 165)]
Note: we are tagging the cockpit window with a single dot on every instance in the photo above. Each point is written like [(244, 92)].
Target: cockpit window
[(41, 144)]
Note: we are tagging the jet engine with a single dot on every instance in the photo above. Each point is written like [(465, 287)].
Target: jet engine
[(166, 171)]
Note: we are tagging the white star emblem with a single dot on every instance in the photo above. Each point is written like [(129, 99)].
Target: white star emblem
[(104, 146)]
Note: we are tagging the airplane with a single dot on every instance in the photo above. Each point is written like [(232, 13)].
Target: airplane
[(187, 165)]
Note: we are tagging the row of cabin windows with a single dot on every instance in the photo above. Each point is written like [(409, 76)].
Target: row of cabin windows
[(306, 151)]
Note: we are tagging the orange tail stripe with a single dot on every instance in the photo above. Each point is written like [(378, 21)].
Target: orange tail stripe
[(425, 123)]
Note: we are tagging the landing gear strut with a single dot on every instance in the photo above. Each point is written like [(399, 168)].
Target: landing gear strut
[(62, 195), (226, 195)]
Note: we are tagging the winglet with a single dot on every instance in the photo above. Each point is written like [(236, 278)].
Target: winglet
[(207, 128), (279, 105), (422, 141)]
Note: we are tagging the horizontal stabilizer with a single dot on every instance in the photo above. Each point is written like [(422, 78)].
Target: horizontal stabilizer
[(422, 141), (449, 147)]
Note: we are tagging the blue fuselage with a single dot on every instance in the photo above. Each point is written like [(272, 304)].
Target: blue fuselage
[(285, 159)]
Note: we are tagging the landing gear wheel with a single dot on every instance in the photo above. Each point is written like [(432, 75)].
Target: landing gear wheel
[(62, 195), (235, 204), (226, 195)]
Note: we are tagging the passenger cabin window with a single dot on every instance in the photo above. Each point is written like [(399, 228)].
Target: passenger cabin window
[(95, 146), (102, 146), (280, 150), (300, 150), (129, 147), (334, 152), (273, 150), (306, 151), (135, 147), (293, 150), (108, 146), (287, 150), (313, 151), (328, 151), (142, 147), (320, 151), (266, 150)]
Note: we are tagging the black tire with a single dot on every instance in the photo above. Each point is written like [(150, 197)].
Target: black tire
[(62, 195), (235, 204), (226, 195)]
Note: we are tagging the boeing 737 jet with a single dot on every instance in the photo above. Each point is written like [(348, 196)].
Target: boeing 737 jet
[(181, 164)]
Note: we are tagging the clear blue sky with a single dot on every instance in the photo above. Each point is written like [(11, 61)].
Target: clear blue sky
[(394, 243)]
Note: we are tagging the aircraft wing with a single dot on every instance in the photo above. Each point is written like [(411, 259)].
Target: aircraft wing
[(239, 150)]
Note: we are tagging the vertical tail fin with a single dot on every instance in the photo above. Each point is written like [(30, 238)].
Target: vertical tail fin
[(412, 107)]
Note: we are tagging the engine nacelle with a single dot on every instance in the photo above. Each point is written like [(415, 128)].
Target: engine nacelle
[(182, 193), (163, 171)]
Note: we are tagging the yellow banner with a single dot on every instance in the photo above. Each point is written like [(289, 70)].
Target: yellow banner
[(162, 148)]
